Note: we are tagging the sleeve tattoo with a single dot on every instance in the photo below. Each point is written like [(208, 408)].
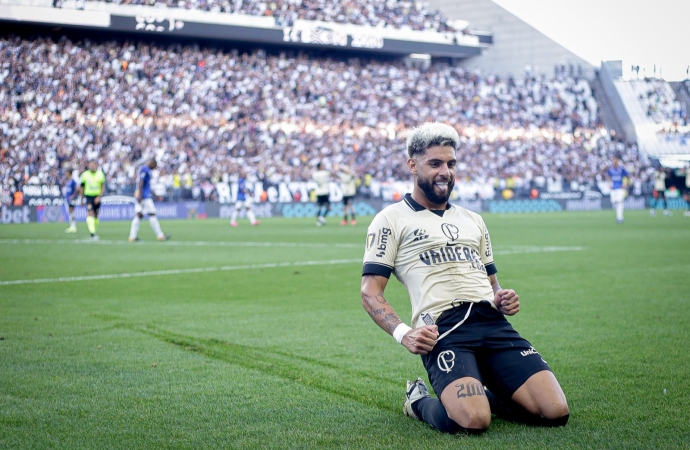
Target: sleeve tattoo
[(384, 316)]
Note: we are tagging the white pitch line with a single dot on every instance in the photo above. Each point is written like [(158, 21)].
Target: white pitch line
[(180, 243), (181, 271), (509, 250), (516, 250)]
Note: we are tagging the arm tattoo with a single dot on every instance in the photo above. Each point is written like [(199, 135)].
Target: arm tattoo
[(381, 311), (381, 299), (391, 321), (469, 390)]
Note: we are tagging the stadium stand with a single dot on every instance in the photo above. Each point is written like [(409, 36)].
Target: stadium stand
[(205, 112), (660, 120), (649, 113), (381, 13)]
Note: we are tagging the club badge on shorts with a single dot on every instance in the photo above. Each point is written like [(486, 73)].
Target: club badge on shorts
[(446, 360)]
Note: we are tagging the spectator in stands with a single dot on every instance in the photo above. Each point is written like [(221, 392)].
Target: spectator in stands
[(379, 13)]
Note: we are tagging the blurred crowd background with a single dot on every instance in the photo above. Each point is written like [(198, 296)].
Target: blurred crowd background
[(205, 113)]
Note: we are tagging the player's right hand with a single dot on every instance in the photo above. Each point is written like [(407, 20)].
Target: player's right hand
[(421, 341)]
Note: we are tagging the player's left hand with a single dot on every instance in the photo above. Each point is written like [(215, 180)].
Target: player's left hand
[(507, 302)]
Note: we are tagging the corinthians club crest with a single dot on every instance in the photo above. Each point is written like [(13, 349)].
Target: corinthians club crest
[(446, 361), (451, 231)]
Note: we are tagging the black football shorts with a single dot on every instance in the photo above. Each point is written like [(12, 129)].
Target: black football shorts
[(485, 347), (91, 204)]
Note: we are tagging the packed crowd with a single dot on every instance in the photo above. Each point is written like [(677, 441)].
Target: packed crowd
[(415, 15), (204, 113), (661, 104)]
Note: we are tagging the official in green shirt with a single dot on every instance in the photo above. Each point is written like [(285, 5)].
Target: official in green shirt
[(92, 187)]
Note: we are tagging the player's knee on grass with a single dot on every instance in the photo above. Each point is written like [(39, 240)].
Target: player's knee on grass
[(542, 395), (470, 412), (557, 422), (556, 410), (472, 420), (540, 401)]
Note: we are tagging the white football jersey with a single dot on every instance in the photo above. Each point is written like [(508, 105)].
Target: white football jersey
[(347, 182), (441, 257), (660, 181), (322, 177)]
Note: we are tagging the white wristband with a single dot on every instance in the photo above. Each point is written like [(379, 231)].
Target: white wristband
[(400, 332)]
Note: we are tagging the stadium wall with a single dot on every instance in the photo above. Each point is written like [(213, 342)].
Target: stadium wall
[(610, 71)]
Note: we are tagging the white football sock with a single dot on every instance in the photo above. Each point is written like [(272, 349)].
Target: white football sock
[(153, 220), (250, 215), (134, 229)]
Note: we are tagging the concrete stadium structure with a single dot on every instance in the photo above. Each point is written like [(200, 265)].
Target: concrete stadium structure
[(516, 44)]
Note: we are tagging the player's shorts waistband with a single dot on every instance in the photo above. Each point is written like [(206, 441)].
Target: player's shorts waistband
[(481, 312)]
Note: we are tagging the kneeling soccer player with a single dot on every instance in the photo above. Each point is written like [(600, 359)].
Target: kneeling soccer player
[(442, 254)]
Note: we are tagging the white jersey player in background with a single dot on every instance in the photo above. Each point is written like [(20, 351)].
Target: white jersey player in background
[(349, 188), (660, 190), (322, 178)]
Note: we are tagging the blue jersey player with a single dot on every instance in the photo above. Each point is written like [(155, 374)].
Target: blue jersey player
[(618, 175), (145, 205), (244, 199), (70, 192)]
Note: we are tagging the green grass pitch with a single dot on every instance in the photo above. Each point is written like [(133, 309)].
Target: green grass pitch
[(255, 337)]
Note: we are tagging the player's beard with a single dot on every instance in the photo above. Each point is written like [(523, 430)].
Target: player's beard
[(427, 187)]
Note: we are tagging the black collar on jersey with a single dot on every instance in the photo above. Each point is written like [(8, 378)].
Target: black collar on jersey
[(417, 207)]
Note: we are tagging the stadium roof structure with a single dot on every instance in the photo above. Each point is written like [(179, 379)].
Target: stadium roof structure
[(516, 44), (178, 22)]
